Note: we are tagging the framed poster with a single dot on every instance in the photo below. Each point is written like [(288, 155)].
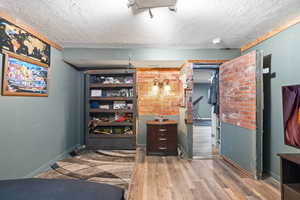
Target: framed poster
[(24, 77), (16, 40)]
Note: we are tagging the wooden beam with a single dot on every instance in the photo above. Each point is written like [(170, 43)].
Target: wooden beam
[(203, 61), (30, 30), (157, 69), (207, 61), (271, 34)]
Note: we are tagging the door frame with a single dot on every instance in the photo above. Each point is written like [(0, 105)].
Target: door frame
[(211, 65), (259, 114)]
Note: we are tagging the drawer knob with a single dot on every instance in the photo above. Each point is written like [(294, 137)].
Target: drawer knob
[(162, 139), (162, 129), (162, 148)]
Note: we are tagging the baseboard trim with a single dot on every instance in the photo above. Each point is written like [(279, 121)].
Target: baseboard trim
[(276, 177), (208, 157), (46, 166), (238, 167)]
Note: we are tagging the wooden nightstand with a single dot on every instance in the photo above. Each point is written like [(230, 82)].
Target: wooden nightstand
[(162, 138)]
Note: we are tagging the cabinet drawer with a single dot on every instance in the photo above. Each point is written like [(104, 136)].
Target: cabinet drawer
[(162, 134), (162, 139), (163, 146), (290, 193), (162, 129)]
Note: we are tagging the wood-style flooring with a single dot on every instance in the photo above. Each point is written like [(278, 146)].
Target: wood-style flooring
[(171, 178)]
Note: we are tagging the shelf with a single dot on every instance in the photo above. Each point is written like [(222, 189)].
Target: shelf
[(93, 110), (113, 123), (112, 98), (111, 72), (110, 136), (96, 140), (123, 85), (295, 187)]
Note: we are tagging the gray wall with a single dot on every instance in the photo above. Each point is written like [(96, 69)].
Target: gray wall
[(284, 48), (243, 145), (185, 134), (36, 131), (237, 145), (201, 89)]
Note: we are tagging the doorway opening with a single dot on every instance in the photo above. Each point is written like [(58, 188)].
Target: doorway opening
[(267, 114), (206, 137)]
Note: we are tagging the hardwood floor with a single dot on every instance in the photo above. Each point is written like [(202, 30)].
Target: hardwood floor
[(170, 178)]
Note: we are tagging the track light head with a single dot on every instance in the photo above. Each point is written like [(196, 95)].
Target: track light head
[(150, 13), (173, 8)]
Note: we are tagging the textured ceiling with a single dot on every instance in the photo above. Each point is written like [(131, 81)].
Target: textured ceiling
[(109, 23)]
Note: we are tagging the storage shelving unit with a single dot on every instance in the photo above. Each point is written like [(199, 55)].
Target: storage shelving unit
[(94, 116)]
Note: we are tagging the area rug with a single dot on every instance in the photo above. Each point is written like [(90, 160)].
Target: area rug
[(110, 167)]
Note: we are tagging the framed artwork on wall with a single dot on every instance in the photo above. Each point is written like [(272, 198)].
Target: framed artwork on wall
[(291, 114), (181, 91), (24, 77), (16, 40), (189, 105)]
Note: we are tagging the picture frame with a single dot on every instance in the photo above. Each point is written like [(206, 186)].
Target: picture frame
[(24, 77), (19, 41), (182, 81), (188, 96), (189, 104)]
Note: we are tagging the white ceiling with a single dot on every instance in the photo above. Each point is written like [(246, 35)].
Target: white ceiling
[(109, 23)]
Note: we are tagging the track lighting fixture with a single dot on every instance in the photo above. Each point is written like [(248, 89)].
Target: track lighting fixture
[(146, 4), (150, 13)]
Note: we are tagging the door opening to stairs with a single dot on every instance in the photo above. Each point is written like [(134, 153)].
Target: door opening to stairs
[(205, 111)]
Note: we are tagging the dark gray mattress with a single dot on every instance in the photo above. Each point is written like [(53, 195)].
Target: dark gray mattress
[(57, 189)]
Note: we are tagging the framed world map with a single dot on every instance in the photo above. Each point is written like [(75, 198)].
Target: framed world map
[(19, 41)]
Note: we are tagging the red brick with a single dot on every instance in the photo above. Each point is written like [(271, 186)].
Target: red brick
[(238, 91), (157, 105)]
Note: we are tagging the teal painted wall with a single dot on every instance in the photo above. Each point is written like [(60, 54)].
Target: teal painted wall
[(36, 131), (238, 144), (201, 89), (284, 48), (185, 134)]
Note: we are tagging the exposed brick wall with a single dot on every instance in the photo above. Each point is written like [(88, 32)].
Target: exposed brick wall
[(238, 91), (161, 103), (187, 71)]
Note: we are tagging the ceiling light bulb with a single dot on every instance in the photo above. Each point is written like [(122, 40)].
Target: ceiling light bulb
[(167, 89), (155, 89), (217, 40)]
